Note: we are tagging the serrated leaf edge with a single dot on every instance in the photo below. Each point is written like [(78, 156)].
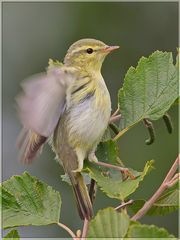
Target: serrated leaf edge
[(33, 178)]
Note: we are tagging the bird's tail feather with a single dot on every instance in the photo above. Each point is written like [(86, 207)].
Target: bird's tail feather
[(69, 160), (83, 201)]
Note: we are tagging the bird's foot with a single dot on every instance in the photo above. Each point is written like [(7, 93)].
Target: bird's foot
[(79, 169), (127, 173), (92, 157), (124, 171)]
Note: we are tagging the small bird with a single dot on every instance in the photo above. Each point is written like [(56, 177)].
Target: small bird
[(70, 107)]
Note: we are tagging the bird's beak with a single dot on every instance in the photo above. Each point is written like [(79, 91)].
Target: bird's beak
[(110, 48)]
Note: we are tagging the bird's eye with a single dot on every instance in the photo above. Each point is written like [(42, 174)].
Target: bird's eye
[(89, 50)]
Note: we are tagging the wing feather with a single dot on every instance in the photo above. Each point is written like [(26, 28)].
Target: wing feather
[(30, 145), (43, 100), (40, 106)]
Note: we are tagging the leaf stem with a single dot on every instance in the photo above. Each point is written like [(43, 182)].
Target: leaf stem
[(85, 229), (165, 184), (68, 230), (121, 133)]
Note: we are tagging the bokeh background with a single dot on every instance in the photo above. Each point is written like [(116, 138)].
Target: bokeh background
[(35, 32)]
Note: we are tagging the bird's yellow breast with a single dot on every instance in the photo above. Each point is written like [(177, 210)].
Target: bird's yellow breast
[(88, 112)]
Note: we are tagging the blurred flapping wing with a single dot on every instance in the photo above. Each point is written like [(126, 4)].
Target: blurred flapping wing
[(39, 107), (43, 100)]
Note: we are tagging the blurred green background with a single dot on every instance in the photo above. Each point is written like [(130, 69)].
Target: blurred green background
[(35, 32)]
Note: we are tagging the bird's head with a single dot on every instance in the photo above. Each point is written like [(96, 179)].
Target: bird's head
[(88, 54)]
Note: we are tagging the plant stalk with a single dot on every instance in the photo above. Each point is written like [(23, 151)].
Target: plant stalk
[(85, 229), (68, 230), (158, 193)]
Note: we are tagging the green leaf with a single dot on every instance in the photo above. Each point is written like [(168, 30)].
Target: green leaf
[(87, 179), (149, 90), (13, 234), (108, 223), (112, 184), (167, 203), (28, 201), (107, 151), (109, 180), (139, 231)]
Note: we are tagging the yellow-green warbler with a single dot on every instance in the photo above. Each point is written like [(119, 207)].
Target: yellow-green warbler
[(70, 107)]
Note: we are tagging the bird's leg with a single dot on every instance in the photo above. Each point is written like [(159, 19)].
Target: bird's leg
[(123, 170), (92, 157), (80, 157)]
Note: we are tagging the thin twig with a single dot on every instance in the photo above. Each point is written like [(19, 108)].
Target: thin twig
[(174, 180), (172, 170), (124, 204), (114, 118), (121, 169), (85, 229), (158, 193), (116, 112), (114, 128), (68, 230)]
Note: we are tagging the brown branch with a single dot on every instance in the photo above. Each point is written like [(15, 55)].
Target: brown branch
[(68, 230), (85, 229), (174, 180), (168, 179)]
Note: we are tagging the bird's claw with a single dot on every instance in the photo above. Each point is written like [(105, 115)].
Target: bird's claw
[(92, 158), (127, 173), (77, 170)]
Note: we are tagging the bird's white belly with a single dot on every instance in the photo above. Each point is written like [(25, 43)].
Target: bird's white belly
[(87, 122)]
